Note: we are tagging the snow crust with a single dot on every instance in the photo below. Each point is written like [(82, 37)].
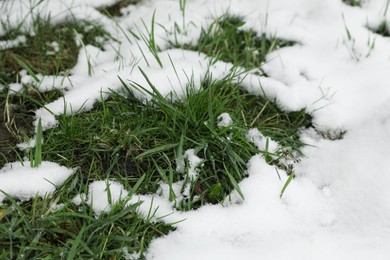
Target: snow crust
[(338, 206)]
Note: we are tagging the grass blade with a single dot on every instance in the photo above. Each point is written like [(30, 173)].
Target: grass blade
[(292, 175), (76, 243), (38, 146), (155, 150), (137, 185), (25, 66), (234, 183)]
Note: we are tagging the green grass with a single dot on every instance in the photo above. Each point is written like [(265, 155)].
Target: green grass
[(33, 230), (37, 55), (224, 40), (125, 139), (38, 52), (383, 29), (352, 2), (36, 152)]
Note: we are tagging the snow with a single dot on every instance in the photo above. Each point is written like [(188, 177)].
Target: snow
[(338, 206), (354, 171), (13, 43), (22, 182), (261, 142), (80, 198), (156, 208), (181, 67), (193, 162), (103, 194), (290, 228), (187, 164), (224, 120), (55, 48)]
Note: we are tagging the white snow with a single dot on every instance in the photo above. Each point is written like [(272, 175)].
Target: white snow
[(156, 208), (12, 43), (354, 172), (261, 142), (54, 46), (266, 227), (22, 182), (103, 194), (187, 164), (80, 198), (193, 162), (224, 120), (338, 206)]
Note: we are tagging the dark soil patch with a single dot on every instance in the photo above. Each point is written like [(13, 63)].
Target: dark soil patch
[(6, 142), (16, 120), (12, 133)]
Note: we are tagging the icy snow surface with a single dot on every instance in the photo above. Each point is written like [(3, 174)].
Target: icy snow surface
[(338, 207)]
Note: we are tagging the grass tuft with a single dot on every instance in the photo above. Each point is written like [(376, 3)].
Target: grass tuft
[(128, 138), (44, 229), (383, 29), (353, 2), (48, 49), (224, 40)]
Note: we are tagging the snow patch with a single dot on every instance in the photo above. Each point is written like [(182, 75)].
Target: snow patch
[(21, 181), (102, 195), (224, 120)]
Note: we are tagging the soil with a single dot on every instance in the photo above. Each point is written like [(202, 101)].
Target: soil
[(8, 141)]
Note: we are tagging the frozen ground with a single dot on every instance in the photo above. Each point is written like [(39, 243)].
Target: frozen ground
[(338, 207)]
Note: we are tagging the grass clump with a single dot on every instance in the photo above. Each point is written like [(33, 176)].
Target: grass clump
[(127, 138), (48, 49), (224, 40), (43, 228), (383, 29), (352, 2)]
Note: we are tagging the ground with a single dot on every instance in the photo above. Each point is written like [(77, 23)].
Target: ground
[(165, 129)]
